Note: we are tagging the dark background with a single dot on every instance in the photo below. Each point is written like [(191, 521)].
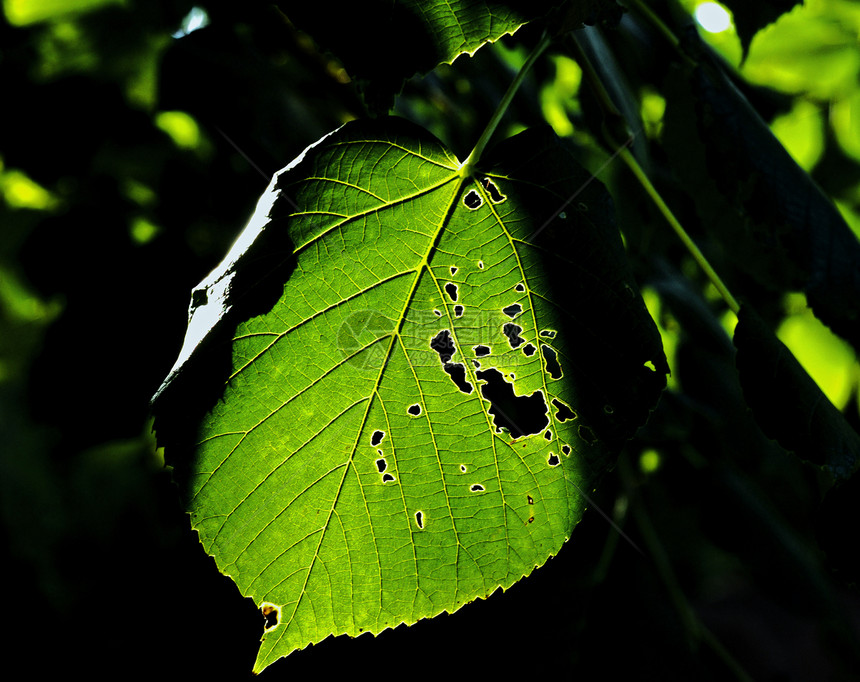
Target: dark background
[(103, 575)]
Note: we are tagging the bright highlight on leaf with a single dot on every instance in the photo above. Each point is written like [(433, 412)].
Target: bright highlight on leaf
[(368, 454)]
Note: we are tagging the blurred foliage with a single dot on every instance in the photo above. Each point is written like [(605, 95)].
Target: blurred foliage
[(134, 145)]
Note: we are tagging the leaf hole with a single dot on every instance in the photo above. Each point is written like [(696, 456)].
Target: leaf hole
[(451, 290), (463, 468), (377, 437), (472, 200), (548, 435), (564, 413), (457, 372), (481, 351), (387, 478), (587, 434), (495, 195), (513, 310), (547, 333), (476, 364), (520, 415), (437, 313), (550, 360), (381, 465), (512, 331), (553, 460), (199, 297), (419, 519), (272, 614), (414, 410), (562, 216), (458, 311), (481, 264), (476, 488), (520, 287), (608, 409), (529, 350), (454, 269), (443, 344), (565, 449)]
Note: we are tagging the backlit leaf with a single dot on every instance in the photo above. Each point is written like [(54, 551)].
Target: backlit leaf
[(415, 379)]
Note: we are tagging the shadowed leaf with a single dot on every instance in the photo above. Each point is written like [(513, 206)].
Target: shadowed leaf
[(766, 211), (788, 404)]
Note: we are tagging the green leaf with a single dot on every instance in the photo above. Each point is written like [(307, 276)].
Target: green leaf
[(774, 222), (787, 402), (415, 419), (751, 17), (384, 43)]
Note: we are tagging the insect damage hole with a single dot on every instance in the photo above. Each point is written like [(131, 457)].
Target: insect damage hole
[(387, 478), (476, 488), (520, 415), (587, 434), (381, 465), (513, 310), (495, 195), (564, 413), (550, 360), (272, 614), (451, 290), (414, 410), (419, 519), (454, 269), (463, 468), (520, 287), (377, 437), (553, 460), (443, 344), (565, 449), (458, 311), (512, 331), (472, 200)]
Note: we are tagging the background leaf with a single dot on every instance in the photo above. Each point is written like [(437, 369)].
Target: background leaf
[(419, 418), (788, 404), (383, 43), (751, 17), (778, 224)]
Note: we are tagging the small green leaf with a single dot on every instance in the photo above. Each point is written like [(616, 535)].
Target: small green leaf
[(751, 17), (415, 418)]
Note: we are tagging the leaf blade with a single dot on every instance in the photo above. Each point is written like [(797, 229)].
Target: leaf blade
[(390, 442)]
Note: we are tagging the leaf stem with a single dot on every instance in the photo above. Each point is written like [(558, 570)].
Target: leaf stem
[(475, 156), (643, 9), (613, 125), (685, 238)]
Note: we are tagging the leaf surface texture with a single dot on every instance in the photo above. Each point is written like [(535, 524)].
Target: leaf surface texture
[(427, 374)]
